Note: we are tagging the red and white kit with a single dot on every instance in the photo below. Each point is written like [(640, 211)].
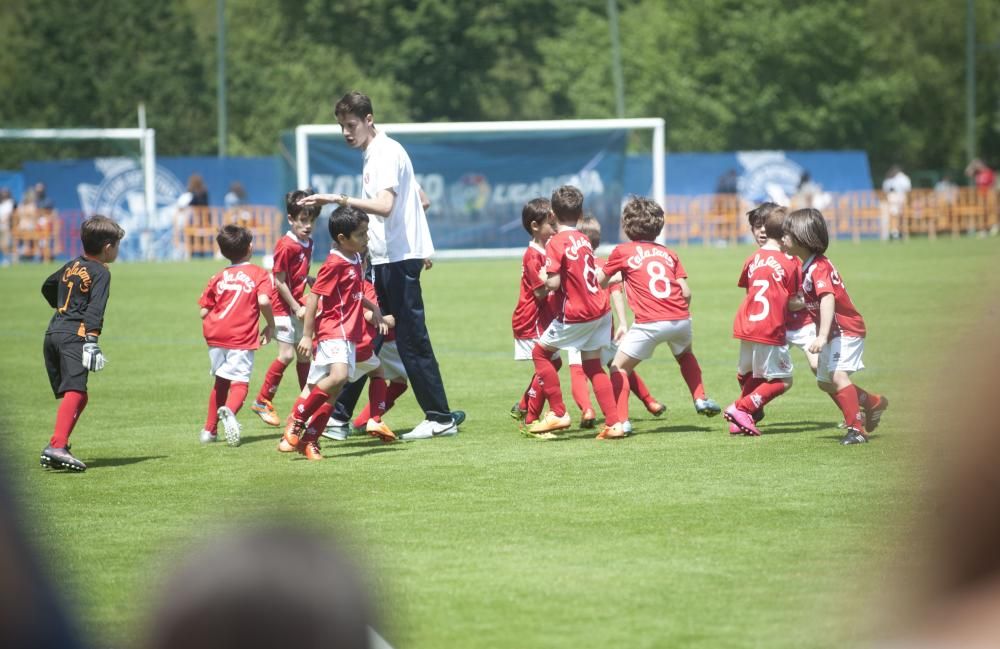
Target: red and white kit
[(582, 317), (340, 322), (532, 314), (847, 332), (291, 257), (233, 312)]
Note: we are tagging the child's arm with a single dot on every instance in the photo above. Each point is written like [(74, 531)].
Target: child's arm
[(203, 312), (607, 280), (796, 302), (618, 306), (50, 288), (827, 303), (377, 318), (685, 289), (304, 347), (285, 293), (267, 333), (552, 281)]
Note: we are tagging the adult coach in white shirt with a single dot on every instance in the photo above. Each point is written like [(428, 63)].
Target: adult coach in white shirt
[(399, 242)]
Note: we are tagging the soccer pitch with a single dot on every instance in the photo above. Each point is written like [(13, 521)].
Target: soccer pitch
[(679, 536)]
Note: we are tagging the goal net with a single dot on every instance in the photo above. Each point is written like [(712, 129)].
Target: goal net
[(131, 199), (478, 175)]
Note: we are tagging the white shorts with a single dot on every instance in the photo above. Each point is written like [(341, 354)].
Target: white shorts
[(524, 346), (287, 329), (842, 354), (233, 364), (362, 368), (643, 337), (585, 336), (607, 354), (392, 364), (801, 337), (765, 361), (330, 352)]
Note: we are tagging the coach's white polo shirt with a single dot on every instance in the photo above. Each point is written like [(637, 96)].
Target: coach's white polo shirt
[(404, 233)]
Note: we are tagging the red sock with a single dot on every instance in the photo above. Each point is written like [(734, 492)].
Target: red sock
[(578, 385), (536, 400), (742, 379), (602, 390), (549, 377), (216, 398), (392, 393), (760, 396), (847, 400), (302, 369), (70, 406), (638, 387), (237, 395), (620, 387), (691, 372), (271, 381), (305, 408), (319, 419), (376, 397), (522, 404), (867, 399), (750, 384)]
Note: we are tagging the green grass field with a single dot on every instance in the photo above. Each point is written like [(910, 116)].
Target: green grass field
[(680, 536)]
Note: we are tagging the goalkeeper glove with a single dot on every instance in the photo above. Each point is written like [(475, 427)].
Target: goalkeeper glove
[(93, 359)]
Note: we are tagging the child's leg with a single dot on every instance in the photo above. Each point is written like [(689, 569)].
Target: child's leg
[(536, 395), (237, 395), (639, 389), (317, 422), (691, 371), (602, 385), (376, 396), (579, 387), (217, 397), (621, 368), (846, 396), (764, 392), (269, 388), (71, 406), (549, 377)]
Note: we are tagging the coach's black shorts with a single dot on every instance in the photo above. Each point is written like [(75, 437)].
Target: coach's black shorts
[(64, 362)]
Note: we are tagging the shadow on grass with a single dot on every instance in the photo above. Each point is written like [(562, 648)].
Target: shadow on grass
[(381, 448), (792, 427), (253, 439), (120, 461)]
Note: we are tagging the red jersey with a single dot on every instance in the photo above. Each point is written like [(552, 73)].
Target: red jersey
[(291, 257), (820, 278), (770, 277), (233, 311), (532, 314), (797, 319), (340, 314), (579, 298), (649, 272)]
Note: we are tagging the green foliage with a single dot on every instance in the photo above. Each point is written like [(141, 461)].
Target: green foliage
[(878, 75)]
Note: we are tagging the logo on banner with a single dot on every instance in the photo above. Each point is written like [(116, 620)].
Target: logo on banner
[(121, 194), (471, 193), (768, 175)]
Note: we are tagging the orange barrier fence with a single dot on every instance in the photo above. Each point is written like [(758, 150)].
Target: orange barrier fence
[(195, 227), (719, 218)]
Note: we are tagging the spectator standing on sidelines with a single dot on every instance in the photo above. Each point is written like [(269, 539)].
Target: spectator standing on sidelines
[(896, 187), (399, 245)]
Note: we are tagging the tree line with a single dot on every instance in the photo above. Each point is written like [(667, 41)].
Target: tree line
[(884, 76)]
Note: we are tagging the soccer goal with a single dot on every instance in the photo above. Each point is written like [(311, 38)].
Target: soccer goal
[(479, 174), (146, 137)]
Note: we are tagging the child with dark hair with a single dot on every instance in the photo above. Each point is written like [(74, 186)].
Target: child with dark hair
[(292, 256), (231, 307), (79, 293), (533, 312), (840, 337), (335, 318)]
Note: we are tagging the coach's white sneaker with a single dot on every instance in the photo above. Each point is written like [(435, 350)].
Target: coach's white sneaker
[(231, 427), (427, 429), (337, 430)]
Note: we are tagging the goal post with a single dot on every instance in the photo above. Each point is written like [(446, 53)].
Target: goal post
[(655, 124), (145, 136)]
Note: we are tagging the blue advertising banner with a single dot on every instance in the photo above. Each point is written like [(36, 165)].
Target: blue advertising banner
[(14, 181), (115, 187), (755, 175), (478, 183)]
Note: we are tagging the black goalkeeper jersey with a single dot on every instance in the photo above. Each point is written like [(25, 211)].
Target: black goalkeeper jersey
[(79, 293)]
